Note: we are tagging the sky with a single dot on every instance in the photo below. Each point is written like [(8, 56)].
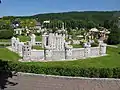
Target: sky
[(32, 7)]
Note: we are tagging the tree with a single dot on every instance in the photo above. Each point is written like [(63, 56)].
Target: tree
[(114, 37), (28, 23), (107, 24), (6, 34), (91, 24), (5, 24), (54, 24), (69, 31)]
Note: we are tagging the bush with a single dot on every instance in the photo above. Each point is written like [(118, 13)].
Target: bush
[(38, 34), (66, 71), (94, 44), (116, 72), (106, 73), (6, 34), (96, 41), (4, 45)]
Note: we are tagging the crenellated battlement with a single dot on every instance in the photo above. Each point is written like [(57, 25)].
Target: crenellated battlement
[(56, 35)]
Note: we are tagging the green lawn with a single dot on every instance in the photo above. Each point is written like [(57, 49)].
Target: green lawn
[(39, 38), (118, 45), (24, 38), (5, 40), (5, 54), (27, 38), (111, 60), (77, 46), (37, 47)]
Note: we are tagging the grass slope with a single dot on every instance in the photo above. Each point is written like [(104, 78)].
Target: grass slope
[(111, 60), (27, 38), (5, 54), (5, 40)]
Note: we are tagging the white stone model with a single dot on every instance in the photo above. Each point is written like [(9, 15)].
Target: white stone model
[(33, 39), (55, 48)]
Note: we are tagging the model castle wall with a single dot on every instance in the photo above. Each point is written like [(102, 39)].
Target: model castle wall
[(55, 48)]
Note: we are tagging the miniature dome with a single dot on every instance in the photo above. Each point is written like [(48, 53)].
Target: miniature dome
[(108, 32), (102, 31), (94, 30)]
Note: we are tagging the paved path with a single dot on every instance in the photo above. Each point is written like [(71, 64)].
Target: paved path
[(28, 82), (113, 46)]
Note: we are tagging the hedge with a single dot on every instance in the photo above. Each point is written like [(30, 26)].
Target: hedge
[(6, 34), (4, 45), (63, 71)]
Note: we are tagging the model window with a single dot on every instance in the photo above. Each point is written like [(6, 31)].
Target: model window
[(47, 41)]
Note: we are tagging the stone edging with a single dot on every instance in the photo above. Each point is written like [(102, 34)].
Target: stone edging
[(66, 77)]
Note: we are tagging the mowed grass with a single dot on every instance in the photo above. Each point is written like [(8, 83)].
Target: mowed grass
[(5, 40), (27, 38), (5, 54), (37, 47), (109, 61), (77, 46), (24, 38), (38, 38)]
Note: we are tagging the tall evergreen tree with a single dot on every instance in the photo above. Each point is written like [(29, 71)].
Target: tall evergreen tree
[(114, 37)]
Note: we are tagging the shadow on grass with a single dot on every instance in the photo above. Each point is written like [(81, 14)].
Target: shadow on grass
[(5, 74)]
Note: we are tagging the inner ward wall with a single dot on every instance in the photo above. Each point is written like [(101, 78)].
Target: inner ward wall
[(37, 55), (55, 55), (95, 51), (58, 55), (78, 53)]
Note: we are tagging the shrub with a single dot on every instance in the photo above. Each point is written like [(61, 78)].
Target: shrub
[(6, 34), (94, 44), (37, 34), (96, 41), (65, 71), (5, 44), (106, 72), (116, 72)]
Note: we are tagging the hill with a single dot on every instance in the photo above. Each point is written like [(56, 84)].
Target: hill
[(96, 16)]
